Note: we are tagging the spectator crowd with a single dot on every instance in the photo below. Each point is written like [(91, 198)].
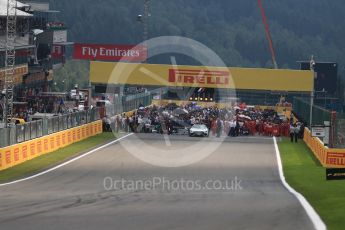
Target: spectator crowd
[(235, 121)]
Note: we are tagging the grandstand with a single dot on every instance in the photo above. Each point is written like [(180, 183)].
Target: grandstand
[(40, 48)]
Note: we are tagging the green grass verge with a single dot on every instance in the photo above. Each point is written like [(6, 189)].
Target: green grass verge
[(48, 160), (305, 174)]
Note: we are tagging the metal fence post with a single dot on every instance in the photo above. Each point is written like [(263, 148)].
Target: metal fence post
[(45, 126), (12, 135), (3, 135)]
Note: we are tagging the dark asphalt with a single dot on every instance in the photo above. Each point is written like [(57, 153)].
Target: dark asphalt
[(74, 196)]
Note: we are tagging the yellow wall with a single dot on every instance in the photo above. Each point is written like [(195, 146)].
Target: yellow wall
[(329, 158), (19, 153), (238, 78)]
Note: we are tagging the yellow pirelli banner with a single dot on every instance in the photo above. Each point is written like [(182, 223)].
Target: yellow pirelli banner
[(201, 76), (19, 153)]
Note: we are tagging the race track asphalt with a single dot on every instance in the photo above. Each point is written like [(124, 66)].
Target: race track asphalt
[(81, 195)]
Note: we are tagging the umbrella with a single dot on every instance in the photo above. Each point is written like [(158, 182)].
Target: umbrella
[(244, 117), (180, 111)]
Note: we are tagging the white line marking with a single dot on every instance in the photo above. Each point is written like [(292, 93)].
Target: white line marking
[(167, 140), (66, 163), (314, 217)]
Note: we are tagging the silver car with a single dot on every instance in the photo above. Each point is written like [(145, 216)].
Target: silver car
[(198, 130)]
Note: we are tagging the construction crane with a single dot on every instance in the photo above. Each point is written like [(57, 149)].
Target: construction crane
[(10, 59), (144, 19), (268, 34)]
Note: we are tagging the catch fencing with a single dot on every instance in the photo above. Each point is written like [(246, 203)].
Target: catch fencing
[(301, 107), (133, 102), (48, 125), (340, 130)]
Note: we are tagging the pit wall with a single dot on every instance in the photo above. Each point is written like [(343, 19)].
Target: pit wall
[(328, 157), (17, 154)]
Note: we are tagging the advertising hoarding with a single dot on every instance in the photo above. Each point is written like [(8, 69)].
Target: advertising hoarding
[(109, 52)]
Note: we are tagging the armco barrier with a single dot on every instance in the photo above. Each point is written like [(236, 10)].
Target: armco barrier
[(16, 154), (328, 157)]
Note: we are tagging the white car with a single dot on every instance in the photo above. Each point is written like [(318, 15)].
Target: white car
[(198, 130)]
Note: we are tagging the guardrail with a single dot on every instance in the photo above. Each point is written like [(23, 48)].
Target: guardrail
[(328, 157), (31, 130)]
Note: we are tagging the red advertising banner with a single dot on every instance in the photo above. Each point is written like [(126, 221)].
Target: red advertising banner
[(16, 154), (24, 151), (199, 76), (39, 147), (337, 159), (33, 149), (8, 157), (58, 51), (98, 52)]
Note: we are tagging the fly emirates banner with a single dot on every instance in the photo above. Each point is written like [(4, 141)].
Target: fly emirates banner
[(128, 53)]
